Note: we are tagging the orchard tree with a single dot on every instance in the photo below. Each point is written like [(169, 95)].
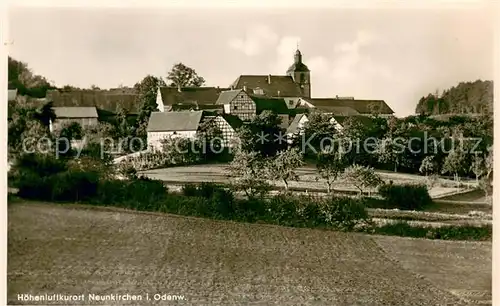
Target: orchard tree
[(330, 166), (184, 76), (283, 165), (478, 167), (263, 135), (248, 169), (428, 165), (454, 163), (318, 134), (147, 90), (210, 139), (392, 151), (362, 177)]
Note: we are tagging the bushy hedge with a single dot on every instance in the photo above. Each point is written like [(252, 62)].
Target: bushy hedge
[(408, 196), (282, 209), (452, 232), (63, 186)]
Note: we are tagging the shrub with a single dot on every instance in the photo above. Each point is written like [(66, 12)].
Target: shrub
[(40, 164), (409, 197), (30, 185), (338, 212), (190, 190), (73, 186), (204, 190), (111, 192), (222, 203), (283, 209), (452, 232), (345, 212), (207, 189), (141, 193)]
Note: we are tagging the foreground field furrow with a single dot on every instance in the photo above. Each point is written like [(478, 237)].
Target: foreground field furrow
[(73, 250)]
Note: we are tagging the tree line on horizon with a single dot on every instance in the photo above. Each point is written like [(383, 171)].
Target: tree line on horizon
[(465, 98)]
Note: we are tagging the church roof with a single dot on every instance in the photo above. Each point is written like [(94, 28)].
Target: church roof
[(199, 95), (272, 85), (298, 67), (361, 106)]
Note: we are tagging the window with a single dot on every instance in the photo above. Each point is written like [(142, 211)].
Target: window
[(258, 91), (242, 96), (290, 102), (235, 107), (302, 78)]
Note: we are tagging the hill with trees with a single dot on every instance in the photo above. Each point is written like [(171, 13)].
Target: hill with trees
[(465, 98)]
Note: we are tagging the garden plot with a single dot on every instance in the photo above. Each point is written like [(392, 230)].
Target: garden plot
[(307, 179)]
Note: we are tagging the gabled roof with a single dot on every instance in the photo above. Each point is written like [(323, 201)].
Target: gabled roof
[(227, 96), (276, 105), (361, 106), (107, 100), (200, 95), (342, 111), (364, 120), (12, 94), (280, 85), (75, 112), (194, 106), (294, 125), (174, 121), (233, 120)]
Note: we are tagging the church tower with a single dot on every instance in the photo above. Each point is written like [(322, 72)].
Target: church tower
[(300, 74)]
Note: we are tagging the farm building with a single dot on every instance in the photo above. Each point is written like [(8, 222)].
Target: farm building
[(84, 116), (237, 102), (187, 124)]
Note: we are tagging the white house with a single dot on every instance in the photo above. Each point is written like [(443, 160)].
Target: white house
[(296, 125), (172, 124)]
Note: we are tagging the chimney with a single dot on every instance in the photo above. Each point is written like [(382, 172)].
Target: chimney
[(244, 88), (232, 87), (269, 79), (336, 96), (179, 87), (279, 93)]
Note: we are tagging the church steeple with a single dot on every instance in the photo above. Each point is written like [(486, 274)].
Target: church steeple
[(298, 57), (300, 74)]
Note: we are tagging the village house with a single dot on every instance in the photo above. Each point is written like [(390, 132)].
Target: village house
[(107, 102), (86, 117), (187, 124), (188, 98)]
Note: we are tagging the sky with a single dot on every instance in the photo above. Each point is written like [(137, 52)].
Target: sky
[(396, 55)]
